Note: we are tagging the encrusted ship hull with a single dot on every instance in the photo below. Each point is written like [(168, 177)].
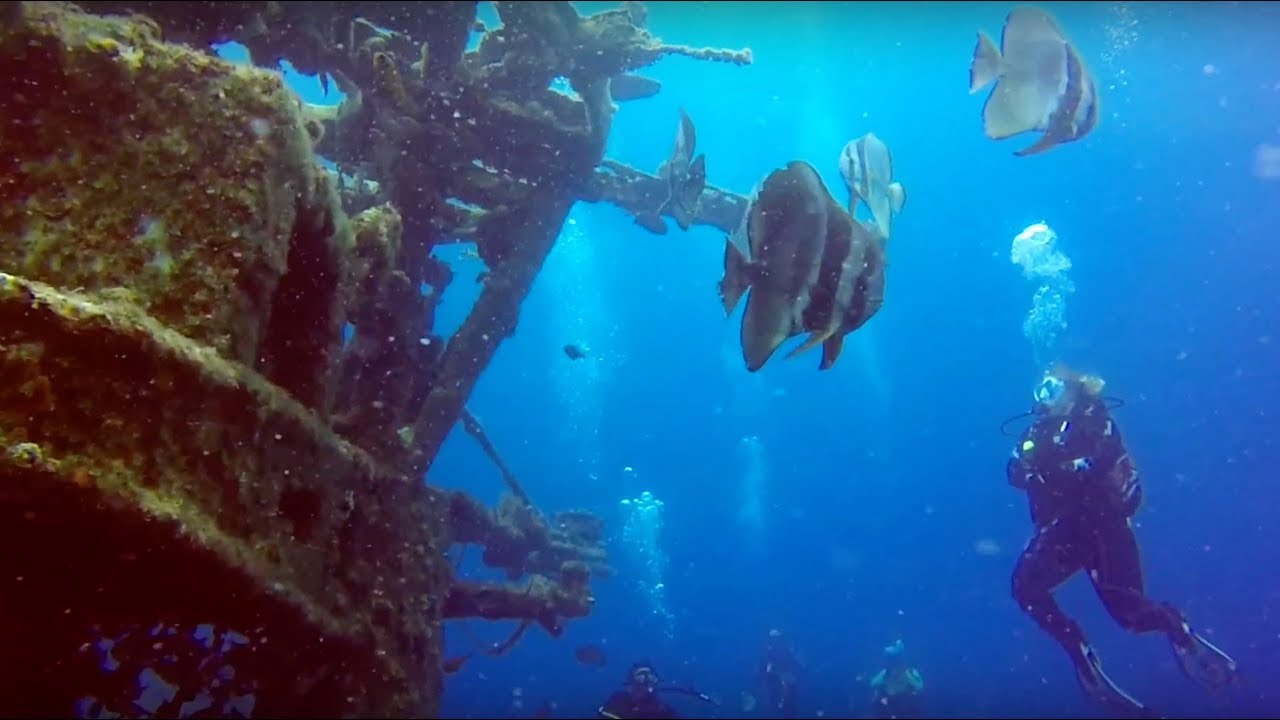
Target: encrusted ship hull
[(186, 438)]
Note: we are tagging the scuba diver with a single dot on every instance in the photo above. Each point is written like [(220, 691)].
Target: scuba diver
[(779, 674), (896, 691), (1083, 489), (638, 697)]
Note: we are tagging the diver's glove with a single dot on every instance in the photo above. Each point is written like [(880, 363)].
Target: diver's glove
[(1102, 690), (1204, 663)]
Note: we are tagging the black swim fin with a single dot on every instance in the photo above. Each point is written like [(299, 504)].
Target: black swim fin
[(1203, 662), (1102, 690)]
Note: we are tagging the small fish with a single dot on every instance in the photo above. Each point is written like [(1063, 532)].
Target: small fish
[(867, 169), (685, 174), (1041, 83), (590, 655), (633, 87), (453, 665), (574, 352)]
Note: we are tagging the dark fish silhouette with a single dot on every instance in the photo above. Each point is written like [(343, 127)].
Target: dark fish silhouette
[(453, 665), (590, 655), (574, 352), (685, 175), (809, 266)]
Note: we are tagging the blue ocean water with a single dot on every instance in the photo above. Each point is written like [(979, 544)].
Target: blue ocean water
[(867, 503)]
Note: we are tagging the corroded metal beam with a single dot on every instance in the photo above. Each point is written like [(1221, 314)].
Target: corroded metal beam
[(640, 193), (532, 232)]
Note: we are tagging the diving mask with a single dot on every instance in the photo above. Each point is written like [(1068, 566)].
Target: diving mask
[(644, 676), (1050, 393)]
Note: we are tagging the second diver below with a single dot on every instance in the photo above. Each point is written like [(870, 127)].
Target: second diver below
[(897, 689), (779, 675), (639, 696), (1084, 489)]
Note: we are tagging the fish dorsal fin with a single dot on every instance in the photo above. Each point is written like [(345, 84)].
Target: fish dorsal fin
[(737, 276), (686, 135), (1025, 29), (831, 351), (698, 168)]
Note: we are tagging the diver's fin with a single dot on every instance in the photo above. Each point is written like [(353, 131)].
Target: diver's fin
[(1204, 663), (1102, 690), (831, 350), (737, 277)]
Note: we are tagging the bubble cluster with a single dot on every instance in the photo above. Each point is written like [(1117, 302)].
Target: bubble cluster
[(1121, 29), (1035, 251), (642, 535), (751, 511)]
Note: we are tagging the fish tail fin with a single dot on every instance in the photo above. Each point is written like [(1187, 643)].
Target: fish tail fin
[(736, 276), (985, 66), (831, 348), (897, 197), (816, 338)]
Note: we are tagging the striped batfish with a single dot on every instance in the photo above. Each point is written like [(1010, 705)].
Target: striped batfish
[(1041, 84), (776, 254), (867, 169)]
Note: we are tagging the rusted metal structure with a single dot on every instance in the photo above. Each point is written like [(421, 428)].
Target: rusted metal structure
[(185, 437)]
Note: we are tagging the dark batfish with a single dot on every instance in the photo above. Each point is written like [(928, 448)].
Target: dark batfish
[(590, 655), (809, 267), (1041, 84), (850, 287), (775, 254), (685, 174), (574, 352)]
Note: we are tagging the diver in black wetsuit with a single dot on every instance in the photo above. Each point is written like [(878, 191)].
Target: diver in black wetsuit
[(1083, 490), (638, 698), (779, 674)]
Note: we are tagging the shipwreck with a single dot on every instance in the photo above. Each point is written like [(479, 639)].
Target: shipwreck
[(190, 444)]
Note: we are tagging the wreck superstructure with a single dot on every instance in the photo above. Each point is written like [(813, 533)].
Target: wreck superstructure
[(186, 438)]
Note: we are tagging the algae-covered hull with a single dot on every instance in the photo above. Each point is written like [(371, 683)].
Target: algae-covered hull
[(211, 499)]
